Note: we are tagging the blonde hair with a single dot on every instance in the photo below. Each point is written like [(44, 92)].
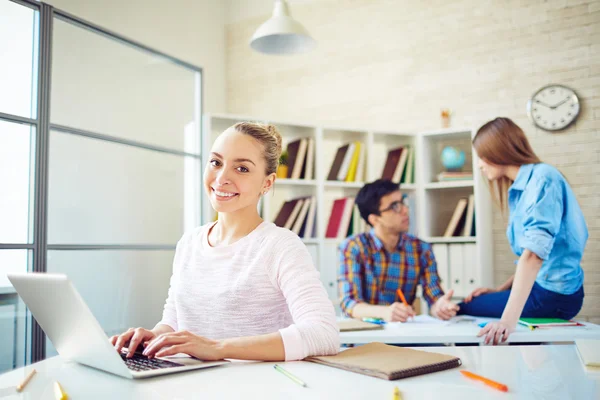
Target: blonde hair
[(502, 142), (268, 136)]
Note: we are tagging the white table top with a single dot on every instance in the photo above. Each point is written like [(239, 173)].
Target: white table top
[(553, 371), (465, 332)]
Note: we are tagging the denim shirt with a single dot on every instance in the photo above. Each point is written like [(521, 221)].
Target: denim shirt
[(546, 219)]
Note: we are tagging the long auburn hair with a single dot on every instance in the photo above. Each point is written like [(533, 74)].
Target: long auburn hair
[(502, 142)]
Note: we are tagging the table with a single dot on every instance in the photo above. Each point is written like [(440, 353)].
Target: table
[(552, 371), (465, 333)]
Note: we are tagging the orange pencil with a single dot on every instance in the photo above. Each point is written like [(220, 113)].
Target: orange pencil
[(487, 381), (402, 297)]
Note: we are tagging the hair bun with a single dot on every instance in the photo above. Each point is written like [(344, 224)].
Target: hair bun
[(272, 129)]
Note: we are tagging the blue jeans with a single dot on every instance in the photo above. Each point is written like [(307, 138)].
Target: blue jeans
[(541, 303)]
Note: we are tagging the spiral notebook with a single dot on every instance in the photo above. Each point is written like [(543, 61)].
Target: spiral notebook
[(388, 362)]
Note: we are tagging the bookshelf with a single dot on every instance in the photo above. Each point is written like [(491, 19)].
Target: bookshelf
[(435, 201)]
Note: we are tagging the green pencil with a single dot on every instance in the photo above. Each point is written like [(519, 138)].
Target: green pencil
[(289, 375)]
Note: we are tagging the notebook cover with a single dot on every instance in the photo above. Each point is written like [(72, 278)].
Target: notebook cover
[(388, 362), (546, 322), (349, 325)]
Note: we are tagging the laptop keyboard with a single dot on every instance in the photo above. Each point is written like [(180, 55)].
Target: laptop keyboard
[(142, 363)]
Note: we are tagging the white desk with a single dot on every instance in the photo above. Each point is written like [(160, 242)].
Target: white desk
[(529, 371), (465, 333)]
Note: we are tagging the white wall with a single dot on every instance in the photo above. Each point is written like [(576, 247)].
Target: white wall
[(192, 30)]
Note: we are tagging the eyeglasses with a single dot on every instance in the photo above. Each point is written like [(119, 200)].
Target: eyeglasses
[(397, 206)]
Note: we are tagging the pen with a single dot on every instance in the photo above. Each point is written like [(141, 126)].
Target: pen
[(377, 321), (59, 393), (401, 295), (289, 375), (397, 395), (22, 385), (489, 382)]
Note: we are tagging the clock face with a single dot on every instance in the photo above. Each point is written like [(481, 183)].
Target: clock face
[(553, 107)]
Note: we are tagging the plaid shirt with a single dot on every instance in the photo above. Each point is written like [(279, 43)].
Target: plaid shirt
[(369, 273)]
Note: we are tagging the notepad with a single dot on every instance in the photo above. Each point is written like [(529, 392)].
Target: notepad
[(538, 322), (589, 351), (388, 362), (348, 325)]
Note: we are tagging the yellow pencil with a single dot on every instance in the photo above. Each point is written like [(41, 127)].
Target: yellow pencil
[(397, 395), (22, 385), (59, 393)]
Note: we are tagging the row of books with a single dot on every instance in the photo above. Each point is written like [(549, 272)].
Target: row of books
[(399, 165), (348, 164), (301, 159), (462, 222), (299, 215)]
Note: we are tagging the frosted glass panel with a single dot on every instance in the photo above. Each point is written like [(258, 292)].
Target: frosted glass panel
[(108, 193), (15, 181), (108, 87), (122, 288), (18, 69), (12, 311)]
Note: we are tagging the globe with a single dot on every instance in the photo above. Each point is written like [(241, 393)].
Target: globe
[(453, 159)]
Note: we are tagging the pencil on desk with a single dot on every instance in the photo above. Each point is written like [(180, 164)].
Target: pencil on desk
[(397, 395), (489, 382), (59, 393), (22, 385), (289, 375)]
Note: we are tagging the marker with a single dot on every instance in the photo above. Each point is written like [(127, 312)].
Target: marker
[(22, 385), (489, 382), (289, 375), (377, 321), (59, 393)]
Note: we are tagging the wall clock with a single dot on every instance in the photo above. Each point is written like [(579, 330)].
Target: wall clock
[(553, 107)]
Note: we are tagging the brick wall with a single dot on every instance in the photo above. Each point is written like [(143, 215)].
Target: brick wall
[(394, 64)]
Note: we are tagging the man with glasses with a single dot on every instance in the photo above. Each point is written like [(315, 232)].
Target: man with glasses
[(375, 264)]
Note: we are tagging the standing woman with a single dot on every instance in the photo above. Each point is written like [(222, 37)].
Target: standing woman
[(241, 287), (546, 230)]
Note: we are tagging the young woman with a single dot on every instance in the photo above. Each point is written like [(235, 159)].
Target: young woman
[(546, 230), (241, 287)]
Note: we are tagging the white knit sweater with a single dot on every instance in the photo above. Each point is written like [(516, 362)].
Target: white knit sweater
[(262, 283)]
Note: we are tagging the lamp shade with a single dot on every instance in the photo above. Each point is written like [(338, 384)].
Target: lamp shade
[(281, 34)]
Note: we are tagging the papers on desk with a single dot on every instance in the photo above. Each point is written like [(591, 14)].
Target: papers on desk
[(589, 351)]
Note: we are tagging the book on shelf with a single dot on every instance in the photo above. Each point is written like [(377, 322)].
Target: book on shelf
[(296, 154), (409, 177), (449, 176), (397, 165), (299, 216), (458, 218), (339, 218), (469, 217), (348, 163), (309, 165), (337, 162)]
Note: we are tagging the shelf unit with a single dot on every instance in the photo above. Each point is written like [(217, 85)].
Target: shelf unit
[(435, 201)]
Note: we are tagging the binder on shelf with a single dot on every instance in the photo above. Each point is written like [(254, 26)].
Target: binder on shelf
[(360, 168), (307, 230), (284, 212), (308, 168), (408, 177), (397, 178), (455, 225), (351, 176), (440, 252), (456, 264)]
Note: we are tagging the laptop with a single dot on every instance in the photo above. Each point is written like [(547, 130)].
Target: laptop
[(76, 334)]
